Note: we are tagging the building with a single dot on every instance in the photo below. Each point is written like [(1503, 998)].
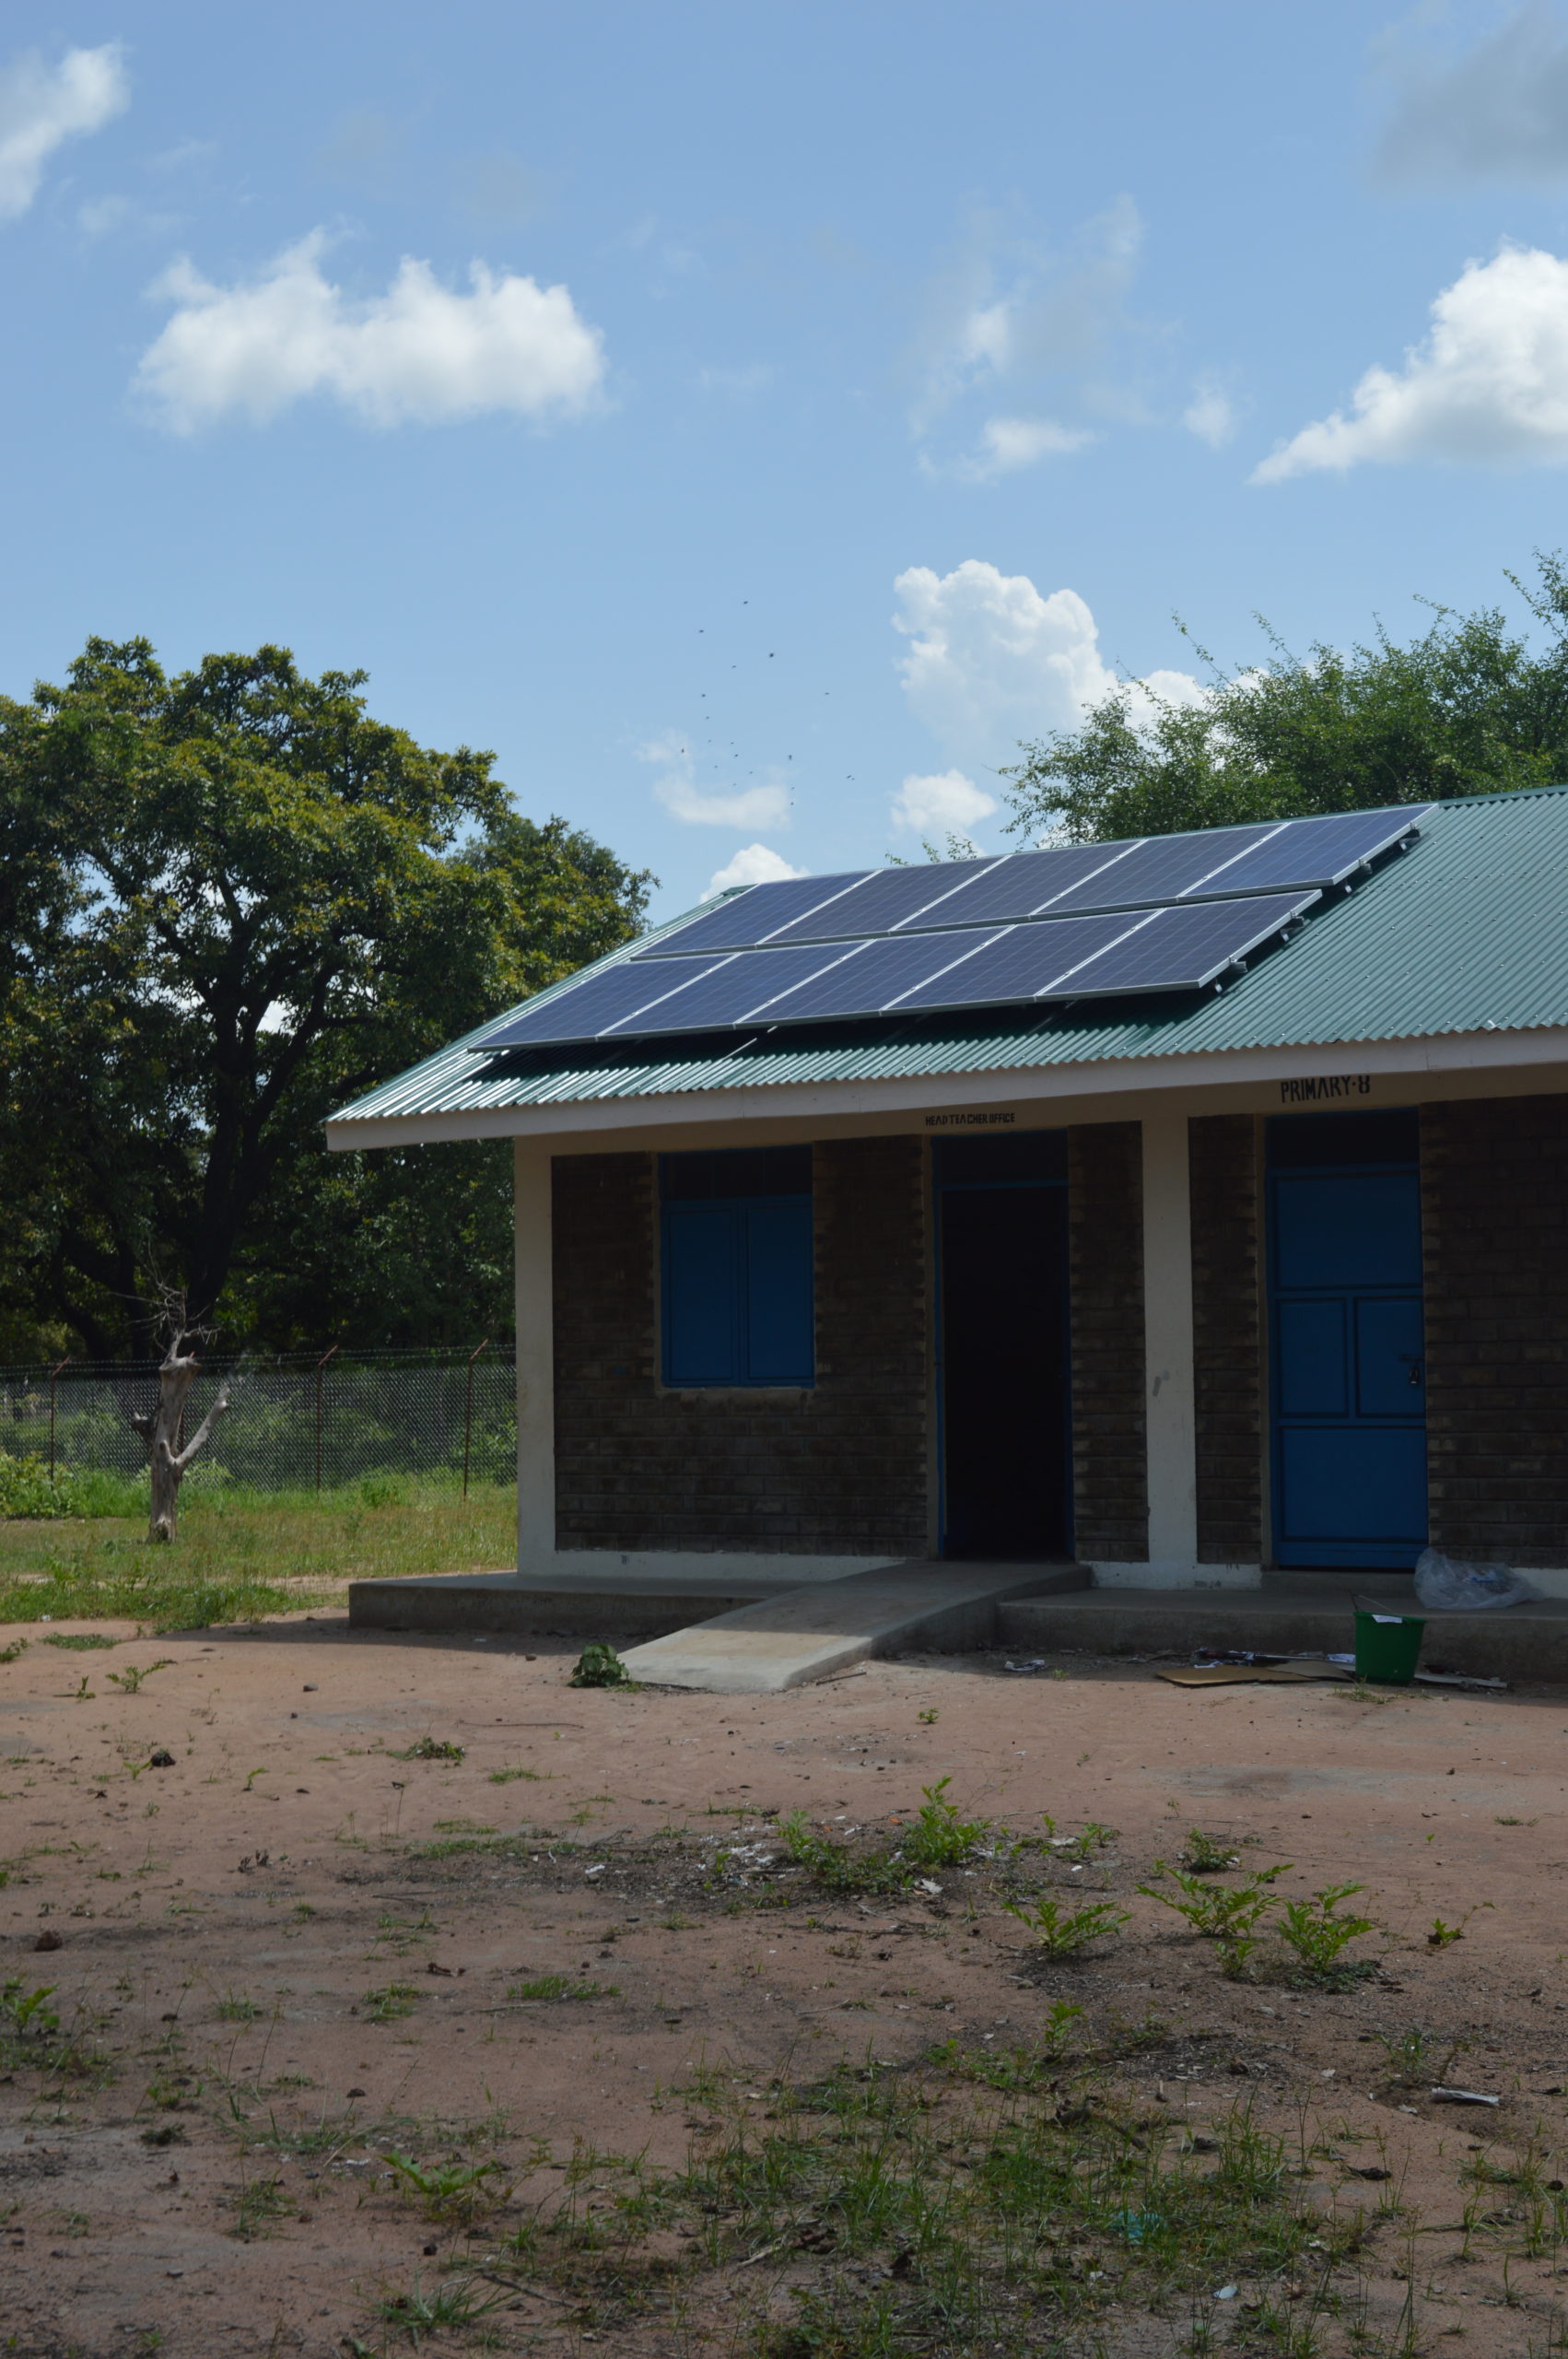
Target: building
[(1241, 1243)]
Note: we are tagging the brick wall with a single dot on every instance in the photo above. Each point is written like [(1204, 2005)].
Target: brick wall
[(840, 1468), (1494, 1214), (1227, 1337), (1106, 1255)]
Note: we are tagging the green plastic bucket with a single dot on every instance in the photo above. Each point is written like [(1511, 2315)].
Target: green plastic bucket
[(1387, 1646)]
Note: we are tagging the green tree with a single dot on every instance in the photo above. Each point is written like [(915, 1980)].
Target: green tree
[(232, 899), (1470, 706)]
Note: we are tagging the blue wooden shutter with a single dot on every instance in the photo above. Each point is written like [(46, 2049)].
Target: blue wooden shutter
[(779, 1320), (701, 1291)]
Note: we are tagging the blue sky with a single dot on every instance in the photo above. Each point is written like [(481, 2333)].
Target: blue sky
[(750, 421)]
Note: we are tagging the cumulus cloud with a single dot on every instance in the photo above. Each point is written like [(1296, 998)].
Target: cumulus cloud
[(754, 864), (991, 661), (421, 354), (42, 106), (763, 805), (1008, 443), (1499, 111), (1490, 385), (944, 803), (1210, 414)]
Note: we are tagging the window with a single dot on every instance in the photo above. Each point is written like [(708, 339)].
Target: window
[(737, 1260)]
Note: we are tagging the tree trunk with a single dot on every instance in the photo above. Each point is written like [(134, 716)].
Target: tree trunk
[(160, 1431)]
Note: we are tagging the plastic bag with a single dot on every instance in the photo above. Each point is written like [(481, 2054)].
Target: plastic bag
[(1449, 1586)]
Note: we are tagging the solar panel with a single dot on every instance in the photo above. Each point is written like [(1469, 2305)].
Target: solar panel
[(1163, 867), (1024, 963), (591, 1006), (753, 916), (740, 987), (1182, 949), (1322, 852), (1057, 958), (1026, 883), (877, 975), (886, 898)]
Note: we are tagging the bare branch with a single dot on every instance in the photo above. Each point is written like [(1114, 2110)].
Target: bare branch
[(202, 1432)]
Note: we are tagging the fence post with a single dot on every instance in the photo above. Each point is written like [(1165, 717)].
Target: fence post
[(53, 1374), (319, 1364), (468, 1413)]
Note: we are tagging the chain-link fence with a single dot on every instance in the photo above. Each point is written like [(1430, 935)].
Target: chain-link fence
[(303, 1421)]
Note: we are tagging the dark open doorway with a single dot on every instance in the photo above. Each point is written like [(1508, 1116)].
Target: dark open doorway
[(1002, 1243)]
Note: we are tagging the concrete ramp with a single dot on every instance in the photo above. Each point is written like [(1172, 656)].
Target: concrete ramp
[(805, 1633)]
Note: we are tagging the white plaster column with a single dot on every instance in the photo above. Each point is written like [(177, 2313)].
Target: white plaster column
[(1167, 1342), (534, 1283)]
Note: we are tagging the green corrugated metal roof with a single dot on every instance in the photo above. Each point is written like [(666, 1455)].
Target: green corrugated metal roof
[(1465, 930)]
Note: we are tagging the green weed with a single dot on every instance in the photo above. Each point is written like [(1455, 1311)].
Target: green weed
[(79, 1641), (938, 1837), (600, 1666), (1318, 1936), (1207, 1855), (1413, 2056), (258, 2205), (833, 1865), (452, 2193), (1228, 1913), (1061, 1931), (430, 1748), (454, 2305), (129, 1680)]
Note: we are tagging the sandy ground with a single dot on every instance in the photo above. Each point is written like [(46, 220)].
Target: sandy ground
[(220, 1923)]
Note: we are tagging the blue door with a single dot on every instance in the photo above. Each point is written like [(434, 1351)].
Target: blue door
[(1348, 1371)]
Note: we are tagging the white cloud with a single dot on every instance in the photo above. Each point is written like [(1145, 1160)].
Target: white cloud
[(764, 806), (944, 803), (991, 661), (1210, 414), (754, 864), (1007, 443), (1500, 110), (40, 106), (1488, 384), (419, 353), (1006, 310)]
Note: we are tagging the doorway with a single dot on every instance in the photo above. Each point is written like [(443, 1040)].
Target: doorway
[(1002, 1346), (1349, 1371)]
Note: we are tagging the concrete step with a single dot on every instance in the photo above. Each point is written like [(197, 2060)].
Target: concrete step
[(618, 1606), (807, 1633), (1332, 1585), (1519, 1643)]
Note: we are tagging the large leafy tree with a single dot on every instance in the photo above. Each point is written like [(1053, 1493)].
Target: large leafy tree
[(230, 899), (1472, 705)]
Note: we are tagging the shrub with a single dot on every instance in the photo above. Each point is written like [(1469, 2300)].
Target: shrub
[(600, 1666)]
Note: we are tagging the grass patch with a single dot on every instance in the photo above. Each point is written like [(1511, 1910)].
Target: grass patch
[(430, 1748), (937, 1836), (79, 1641), (558, 1986), (947, 2208), (242, 1554), (259, 2203), (390, 2004)]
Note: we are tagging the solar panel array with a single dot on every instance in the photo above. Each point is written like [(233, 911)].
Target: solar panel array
[(1159, 913)]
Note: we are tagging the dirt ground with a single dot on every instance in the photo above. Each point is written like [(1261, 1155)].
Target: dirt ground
[(289, 1925)]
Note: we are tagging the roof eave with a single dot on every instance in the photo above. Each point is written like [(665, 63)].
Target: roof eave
[(1495, 1048)]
